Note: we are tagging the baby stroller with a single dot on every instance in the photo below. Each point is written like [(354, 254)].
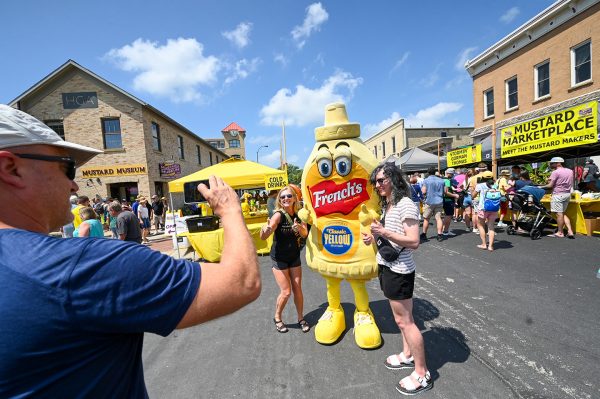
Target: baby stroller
[(532, 216)]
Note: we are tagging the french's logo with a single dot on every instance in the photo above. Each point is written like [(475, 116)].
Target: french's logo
[(329, 197)]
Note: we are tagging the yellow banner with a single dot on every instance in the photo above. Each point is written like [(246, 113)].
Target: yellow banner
[(464, 156), (118, 170), (568, 128), (276, 181)]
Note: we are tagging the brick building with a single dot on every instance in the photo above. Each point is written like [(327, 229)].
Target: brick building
[(233, 141), (545, 66), (143, 148)]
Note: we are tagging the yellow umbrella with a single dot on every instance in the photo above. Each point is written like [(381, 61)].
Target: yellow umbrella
[(235, 172)]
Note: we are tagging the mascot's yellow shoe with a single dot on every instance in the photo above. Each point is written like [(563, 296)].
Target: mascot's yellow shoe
[(330, 326), (366, 332)]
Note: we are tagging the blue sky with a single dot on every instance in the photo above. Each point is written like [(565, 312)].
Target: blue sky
[(209, 63)]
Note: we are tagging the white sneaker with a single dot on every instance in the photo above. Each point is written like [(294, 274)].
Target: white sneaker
[(448, 234), (501, 224), (475, 231)]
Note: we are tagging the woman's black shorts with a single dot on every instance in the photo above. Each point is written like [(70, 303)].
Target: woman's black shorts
[(284, 264), (394, 285)]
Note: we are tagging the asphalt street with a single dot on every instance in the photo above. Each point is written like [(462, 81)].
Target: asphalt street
[(519, 322)]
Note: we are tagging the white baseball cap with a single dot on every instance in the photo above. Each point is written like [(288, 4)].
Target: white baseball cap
[(18, 129), (557, 160)]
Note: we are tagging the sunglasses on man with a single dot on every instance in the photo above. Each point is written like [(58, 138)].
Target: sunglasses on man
[(70, 162)]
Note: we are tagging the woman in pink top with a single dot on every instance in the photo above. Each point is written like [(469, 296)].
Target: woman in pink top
[(561, 183)]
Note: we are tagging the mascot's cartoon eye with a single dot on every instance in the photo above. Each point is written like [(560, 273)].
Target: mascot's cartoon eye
[(343, 165), (325, 167)]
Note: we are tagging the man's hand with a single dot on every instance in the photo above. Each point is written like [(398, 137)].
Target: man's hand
[(222, 199)]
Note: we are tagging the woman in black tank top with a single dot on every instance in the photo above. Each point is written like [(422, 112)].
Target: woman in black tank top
[(285, 253)]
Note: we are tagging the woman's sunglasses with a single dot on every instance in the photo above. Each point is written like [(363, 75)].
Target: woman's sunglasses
[(285, 196), (381, 180), (70, 162)]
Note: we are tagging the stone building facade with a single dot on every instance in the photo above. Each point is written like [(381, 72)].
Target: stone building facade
[(549, 64), (143, 148), (396, 138)]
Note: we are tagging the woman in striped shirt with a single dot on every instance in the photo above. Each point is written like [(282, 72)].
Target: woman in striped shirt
[(400, 227)]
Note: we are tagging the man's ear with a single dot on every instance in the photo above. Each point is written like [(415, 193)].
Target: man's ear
[(9, 170)]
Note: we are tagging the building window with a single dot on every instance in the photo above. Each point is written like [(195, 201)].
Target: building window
[(236, 156), (542, 79), (111, 133), (512, 93), (488, 103), (210, 156), (155, 136), (199, 155), (581, 62), (57, 126), (235, 143), (393, 145), (180, 147), (217, 158), (383, 149), (375, 151)]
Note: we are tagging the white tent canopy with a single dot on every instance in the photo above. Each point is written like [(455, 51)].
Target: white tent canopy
[(417, 160)]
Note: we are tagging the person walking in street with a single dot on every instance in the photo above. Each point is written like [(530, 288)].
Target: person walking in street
[(128, 225), (467, 202), (450, 198), (460, 177), (90, 225), (285, 253), (82, 202), (144, 218), (433, 190), (504, 187), (486, 214), (399, 227), (158, 210), (416, 193), (590, 176), (73, 312), (561, 183)]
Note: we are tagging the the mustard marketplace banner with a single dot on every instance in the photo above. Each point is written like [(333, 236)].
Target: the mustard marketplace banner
[(276, 181), (568, 128), (464, 156)]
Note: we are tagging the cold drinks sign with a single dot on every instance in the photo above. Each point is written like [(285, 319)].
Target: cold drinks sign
[(276, 181)]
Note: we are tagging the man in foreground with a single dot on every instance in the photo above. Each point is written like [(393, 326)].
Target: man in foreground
[(73, 312)]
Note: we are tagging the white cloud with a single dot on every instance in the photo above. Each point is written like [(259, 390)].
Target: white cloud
[(240, 36), (272, 159), (315, 17), (432, 116), (241, 69), (305, 105), (432, 78), (401, 61), (510, 15), (463, 57), (371, 129), (282, 59), (174, 70), (264, 140)]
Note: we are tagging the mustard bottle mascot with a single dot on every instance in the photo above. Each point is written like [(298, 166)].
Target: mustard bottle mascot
[(339, 203)]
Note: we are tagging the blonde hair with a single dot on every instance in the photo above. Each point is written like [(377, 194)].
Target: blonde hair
[(87, 213), (279, 207)]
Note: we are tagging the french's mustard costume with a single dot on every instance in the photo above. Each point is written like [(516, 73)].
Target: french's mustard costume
[(339, 203)]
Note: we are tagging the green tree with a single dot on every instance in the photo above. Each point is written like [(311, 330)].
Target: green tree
[(294, 174)]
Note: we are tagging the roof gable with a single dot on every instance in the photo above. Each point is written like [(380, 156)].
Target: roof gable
[(233, 126)]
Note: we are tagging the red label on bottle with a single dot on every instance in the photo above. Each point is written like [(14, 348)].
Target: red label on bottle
[(328, 197)]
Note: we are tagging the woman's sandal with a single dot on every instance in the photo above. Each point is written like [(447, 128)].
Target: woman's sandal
[(280, 326), (399, 362), (304, 326), (411, 388)]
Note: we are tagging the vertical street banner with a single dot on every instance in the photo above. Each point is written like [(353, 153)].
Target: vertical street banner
[(567, 128), (464, 156)]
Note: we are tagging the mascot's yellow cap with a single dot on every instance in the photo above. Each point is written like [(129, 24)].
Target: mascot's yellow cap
[(336, 124)]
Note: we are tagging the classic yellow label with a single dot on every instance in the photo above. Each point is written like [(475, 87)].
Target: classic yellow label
[(568, 128), (118, 170), (464, 156)]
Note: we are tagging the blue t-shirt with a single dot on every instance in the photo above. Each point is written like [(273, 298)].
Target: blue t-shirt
[(73, 313), (435, 190)]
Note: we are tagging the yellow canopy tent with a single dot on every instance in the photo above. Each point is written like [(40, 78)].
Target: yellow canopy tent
[(235, 172)]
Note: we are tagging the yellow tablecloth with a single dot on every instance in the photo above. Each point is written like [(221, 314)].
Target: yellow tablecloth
[(209, 244), (257, 218), (575, 212)]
